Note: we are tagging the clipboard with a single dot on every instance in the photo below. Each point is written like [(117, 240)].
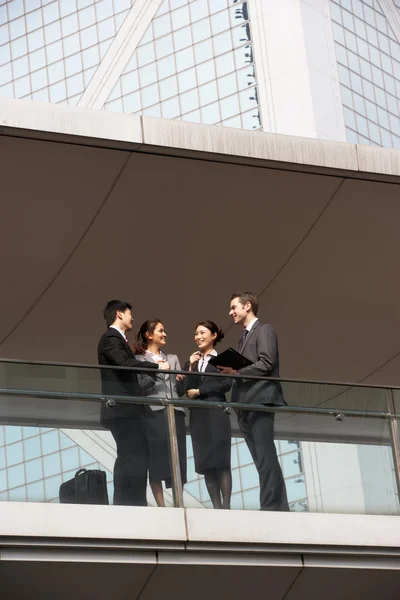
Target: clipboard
[(230, 358)]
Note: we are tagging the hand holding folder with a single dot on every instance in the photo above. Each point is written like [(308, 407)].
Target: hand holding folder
[(230, 358)]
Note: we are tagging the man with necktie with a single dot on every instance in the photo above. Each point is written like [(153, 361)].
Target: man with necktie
[(259, 344), (125, 421)]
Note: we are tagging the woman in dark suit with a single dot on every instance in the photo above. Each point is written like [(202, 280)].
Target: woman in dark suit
[(210, 428)]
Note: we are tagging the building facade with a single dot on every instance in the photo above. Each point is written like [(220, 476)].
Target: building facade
[(326, 68)]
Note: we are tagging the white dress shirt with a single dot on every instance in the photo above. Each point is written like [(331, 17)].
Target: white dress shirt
[(203, 362), (120, 331), (251, 324)]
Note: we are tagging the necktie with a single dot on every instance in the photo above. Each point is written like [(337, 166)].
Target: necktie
[(242, 340)]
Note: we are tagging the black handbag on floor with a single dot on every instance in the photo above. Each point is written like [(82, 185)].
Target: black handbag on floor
[(87, 487)]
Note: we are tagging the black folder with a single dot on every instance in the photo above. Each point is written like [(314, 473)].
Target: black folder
[(230, 358)]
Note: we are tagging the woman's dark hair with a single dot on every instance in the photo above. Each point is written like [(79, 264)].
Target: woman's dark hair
[(211, 326), (141, 341)]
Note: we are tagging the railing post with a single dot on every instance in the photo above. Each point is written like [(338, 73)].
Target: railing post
[(177, 490), (394, 437)]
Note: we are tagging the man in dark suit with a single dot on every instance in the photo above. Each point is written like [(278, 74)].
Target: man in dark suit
[(260, 345), (125, 421)]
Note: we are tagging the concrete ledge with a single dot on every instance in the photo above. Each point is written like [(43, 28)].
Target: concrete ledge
[(385, 161)]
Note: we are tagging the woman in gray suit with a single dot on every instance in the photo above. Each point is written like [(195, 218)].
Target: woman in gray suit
[(150, 339)]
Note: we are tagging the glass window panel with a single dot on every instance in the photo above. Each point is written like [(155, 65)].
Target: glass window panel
[(20, 66), (359, 104), (193, 117), (386, 62), (348, 20), (17, 494), (52, 32), (164, 46), (19, 47), (347, 96), (359, 27), (12, 434), (374, 133), (241, 35), (296, 488), (50, 442), (70, 24), (29, 431), (75, 84), (54, 52), (368, 90), (251, 119), (372, 35), (383, 117), (52, 487), (39, 79), (217, 5), (235, 122), (3, 480), (386, 138), (150, 95), (210, 114), (22, 86), (168, 87), (351, 136), (87, 16), (153, 111), (227, 85), (292, 464), (250, 478), (356, 82), (394, 124), (351, 41), (384, 43), (15, 8), (161, 26), (116, 106), (239, 14), (374, 55), (198, 9), (208, 93), (237, 501), (365, 69), (189, 101), (174, 4), (243, 56), (288, 446), (17, 28), (104, 9), (363, 49), (354, 62), (248, 99), (182, 38), (32, 448), (180, 17), (148, 75), (372, 112), (166, 66), (369, 16), (224, 64), (349, 118), (90, 57), (396, 141), (71, 44), (106, 29), (220, 22), (170, 108), (341, 54), (35, 492), (244, 453), (201, 30), (222, 42), (184, 59), (203, 51), (65, 441), (395, 50), (16, 476), (35, 40), (103, 47), (146, 54), (205, 72), (58, 92), (51, 464), (389, 84), (88, 37), (4, 34), (362, 126), (51, 12), (380, 97), (14, 454), (122, 5), (187, 80), (229, 107), (73, 64), (377, 76), (88, 74), (148, 36), (70, 459), (130, 82), (2, 458), (336, 12)]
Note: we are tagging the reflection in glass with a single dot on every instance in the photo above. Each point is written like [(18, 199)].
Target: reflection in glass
[(296, 488), (248, 99), (251, 119), (222, 42), (220, 22), (241, 35)]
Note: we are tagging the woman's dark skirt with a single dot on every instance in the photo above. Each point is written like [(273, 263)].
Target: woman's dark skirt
[(211, 439), (157, 435)]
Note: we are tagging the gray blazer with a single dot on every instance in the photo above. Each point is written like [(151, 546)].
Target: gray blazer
[(163, 385), (261, 347)]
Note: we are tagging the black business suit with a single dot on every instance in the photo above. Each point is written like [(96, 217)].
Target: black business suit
[(261, 347), (210, 429), (125, 421)]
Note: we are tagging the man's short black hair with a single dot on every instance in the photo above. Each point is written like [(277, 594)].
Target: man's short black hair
[(247, 297), (111, 309)]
